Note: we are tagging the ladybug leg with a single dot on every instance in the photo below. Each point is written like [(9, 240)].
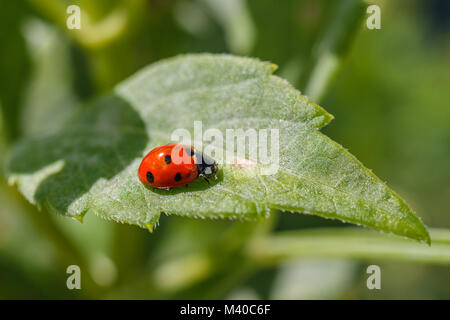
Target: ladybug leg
[(206, 179), (186, 185)]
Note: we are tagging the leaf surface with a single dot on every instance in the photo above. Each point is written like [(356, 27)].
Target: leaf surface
[(91, 165)]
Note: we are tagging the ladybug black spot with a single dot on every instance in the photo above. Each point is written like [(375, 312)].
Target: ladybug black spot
[(150, 177), (190, 152), (178, 176), (167, 159)]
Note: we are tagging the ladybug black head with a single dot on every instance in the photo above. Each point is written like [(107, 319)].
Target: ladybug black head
[(206, 165)]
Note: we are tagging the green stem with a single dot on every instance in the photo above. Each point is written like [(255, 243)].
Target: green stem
[(349, 242), (332, 47)]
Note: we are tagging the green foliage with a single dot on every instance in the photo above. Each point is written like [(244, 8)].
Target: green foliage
[(350, 243), (91, 164), (388, 92), (50, 88), (14, 65)]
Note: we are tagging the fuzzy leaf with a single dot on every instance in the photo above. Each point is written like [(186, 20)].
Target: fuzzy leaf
[(92, 164)]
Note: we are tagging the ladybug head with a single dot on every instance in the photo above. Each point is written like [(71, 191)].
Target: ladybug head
[(206, 165)]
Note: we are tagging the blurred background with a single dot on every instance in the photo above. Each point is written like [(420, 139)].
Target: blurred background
[(388, 90)]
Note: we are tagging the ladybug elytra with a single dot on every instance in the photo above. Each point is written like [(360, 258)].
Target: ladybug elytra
[(174, 165)]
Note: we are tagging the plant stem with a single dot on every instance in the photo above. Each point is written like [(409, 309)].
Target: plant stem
[(349, 242), (331, 48)]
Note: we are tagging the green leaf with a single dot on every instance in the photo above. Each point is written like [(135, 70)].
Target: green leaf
[(14, 65), (50, 88), (92, 164)]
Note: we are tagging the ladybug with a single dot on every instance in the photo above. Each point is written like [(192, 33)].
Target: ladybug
[(174, 165)]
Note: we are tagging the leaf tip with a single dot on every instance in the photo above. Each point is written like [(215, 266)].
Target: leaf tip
[(427, 237), (150, 227), (154, 221), (79, 218), (422, 233), (273, 67)]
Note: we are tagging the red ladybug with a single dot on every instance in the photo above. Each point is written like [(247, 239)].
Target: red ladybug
[(174, 165)]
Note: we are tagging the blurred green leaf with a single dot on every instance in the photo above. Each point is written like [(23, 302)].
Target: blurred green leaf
[(234, 16), (14, 65), (333, 45), (313, 279), (50, 91), (91, 165)]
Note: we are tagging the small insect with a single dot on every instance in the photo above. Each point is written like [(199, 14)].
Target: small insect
[(174, 165)]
